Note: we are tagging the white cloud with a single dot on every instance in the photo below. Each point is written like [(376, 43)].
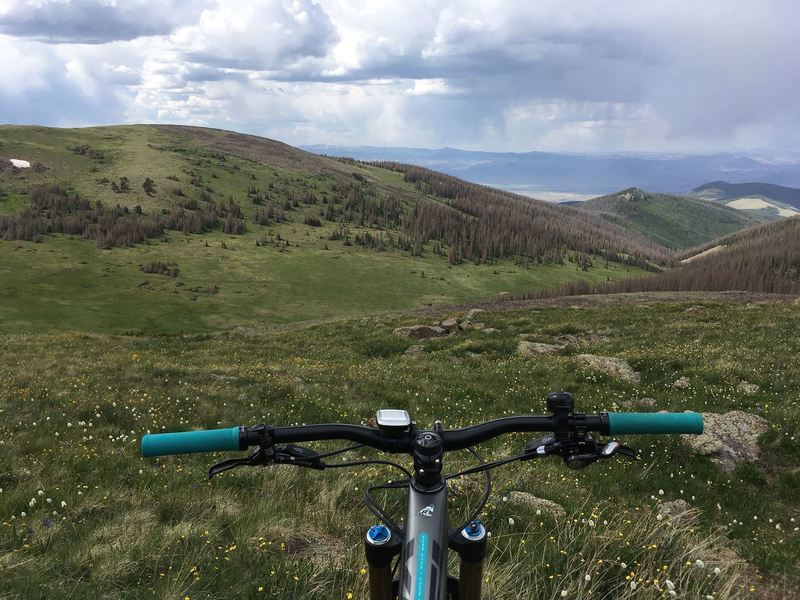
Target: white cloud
[(492, 74)]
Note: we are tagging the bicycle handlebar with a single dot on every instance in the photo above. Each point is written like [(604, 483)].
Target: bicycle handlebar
[(239, 438)]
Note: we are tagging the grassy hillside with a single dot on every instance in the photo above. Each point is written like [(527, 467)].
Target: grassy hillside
[(674, 221), (74, 407), (256, 232)]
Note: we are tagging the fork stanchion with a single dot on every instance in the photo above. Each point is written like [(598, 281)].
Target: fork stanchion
[(381, 547), (470, 544)]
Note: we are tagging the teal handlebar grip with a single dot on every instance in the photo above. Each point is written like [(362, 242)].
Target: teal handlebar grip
[(185, 442), (686, 422)]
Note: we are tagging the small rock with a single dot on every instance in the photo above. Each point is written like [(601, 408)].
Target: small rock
[(535, 503), (616, 367), (729, 439), (473, 313), (415, 350), (533, 348), (682, 384), (504, 295), (450, 325), (640, 403), (747, 389), (490, 330), (679, 510), (420, 332), (220, 376)]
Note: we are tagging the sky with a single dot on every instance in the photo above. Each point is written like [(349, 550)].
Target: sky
[(499, 75)]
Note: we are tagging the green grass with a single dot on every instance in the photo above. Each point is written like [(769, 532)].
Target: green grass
[(70, 284), (73, 407)]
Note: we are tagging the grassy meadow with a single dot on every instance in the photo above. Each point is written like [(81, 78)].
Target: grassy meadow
[(82, 515), (226, 281), (271, 274)]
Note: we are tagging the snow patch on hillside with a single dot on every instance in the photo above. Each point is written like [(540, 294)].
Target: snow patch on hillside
[(20, 164)]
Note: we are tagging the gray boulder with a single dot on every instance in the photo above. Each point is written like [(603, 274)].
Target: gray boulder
[(420, 332), (416, 350), (616, 367), (729, 439), (682, 384), (449, 325)]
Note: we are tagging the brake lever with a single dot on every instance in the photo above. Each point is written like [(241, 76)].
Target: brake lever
[(581, 460), (261, 456)]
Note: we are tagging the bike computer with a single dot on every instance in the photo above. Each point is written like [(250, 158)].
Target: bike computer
[(392, 420)]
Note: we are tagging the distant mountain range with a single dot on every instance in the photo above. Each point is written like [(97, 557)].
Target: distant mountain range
[(545, 174)]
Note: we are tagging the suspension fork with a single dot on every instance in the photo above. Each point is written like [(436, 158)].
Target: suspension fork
[(381, 546), (470, 544)]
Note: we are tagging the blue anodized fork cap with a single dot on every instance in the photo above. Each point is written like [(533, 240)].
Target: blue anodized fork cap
[(377, 535), (474, 532)]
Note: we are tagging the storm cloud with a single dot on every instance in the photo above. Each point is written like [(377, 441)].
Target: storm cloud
[(495, 75)]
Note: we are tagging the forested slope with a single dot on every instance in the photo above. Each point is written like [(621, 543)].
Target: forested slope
[(764, 258)]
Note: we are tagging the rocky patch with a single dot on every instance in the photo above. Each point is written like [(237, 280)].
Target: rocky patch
[(450, 325), (678, 510), (535, 348), (640, 403), (415, 350), (729, 439), (540, 505), (420, 332), (747, 389), (616, 367), (682, 384)]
